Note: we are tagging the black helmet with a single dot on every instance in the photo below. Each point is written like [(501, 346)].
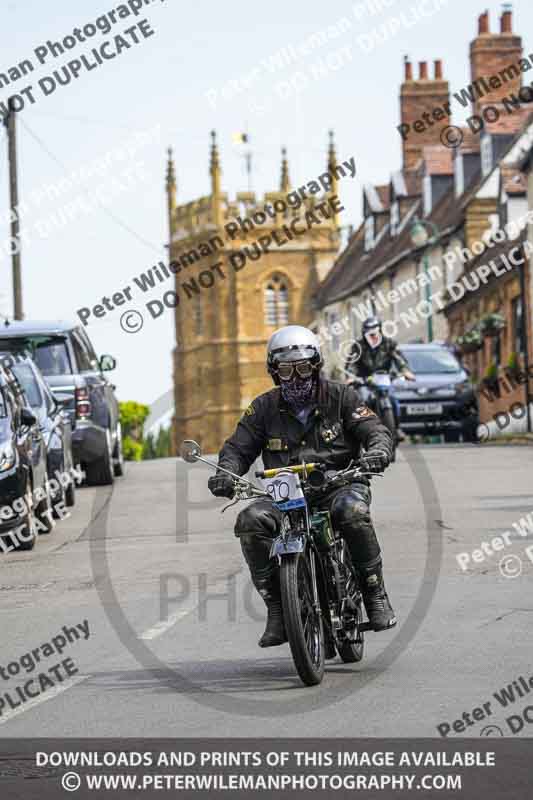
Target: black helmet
[(369, 323)]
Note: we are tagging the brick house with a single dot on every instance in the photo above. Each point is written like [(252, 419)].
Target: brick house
[(461, 194)]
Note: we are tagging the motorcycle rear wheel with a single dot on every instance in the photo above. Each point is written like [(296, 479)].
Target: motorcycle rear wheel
[(304, 627), (352, 650)]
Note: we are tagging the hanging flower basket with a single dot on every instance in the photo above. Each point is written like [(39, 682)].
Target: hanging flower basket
[(492, 324), (490, 379), (470, 342)]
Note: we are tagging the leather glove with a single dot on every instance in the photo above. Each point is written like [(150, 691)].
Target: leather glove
[(221, 485), (374, 461)]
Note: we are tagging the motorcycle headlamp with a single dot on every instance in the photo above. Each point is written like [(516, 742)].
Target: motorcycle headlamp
[(304, 369)]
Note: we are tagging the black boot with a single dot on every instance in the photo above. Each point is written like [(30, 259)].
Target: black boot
[(275, 629), (380, 612)]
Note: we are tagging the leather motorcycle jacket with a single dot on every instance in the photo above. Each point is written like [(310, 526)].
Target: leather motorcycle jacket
[(337, 427)]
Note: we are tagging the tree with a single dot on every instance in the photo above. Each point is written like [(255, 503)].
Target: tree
[(163, 443), (132, 418), (149, 447)]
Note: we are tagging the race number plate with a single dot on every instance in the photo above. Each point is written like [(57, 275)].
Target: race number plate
[(425, 408), (285, 491)]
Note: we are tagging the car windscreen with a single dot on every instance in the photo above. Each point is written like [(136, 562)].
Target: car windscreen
[(49, 352), (432, 361), (28, 381)]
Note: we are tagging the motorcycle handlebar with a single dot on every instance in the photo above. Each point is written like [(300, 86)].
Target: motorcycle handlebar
[(298, 469)]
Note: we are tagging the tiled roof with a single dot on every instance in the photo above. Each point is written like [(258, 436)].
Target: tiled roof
[(355, 269)]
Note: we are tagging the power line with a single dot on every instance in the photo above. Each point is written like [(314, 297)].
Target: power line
[(81, 120), (110, 214)]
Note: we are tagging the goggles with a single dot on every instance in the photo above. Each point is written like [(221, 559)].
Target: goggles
[(372, 331), (304, 369)]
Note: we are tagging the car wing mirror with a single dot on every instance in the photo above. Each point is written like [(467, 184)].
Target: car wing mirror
[(107, 363), (190, 451)]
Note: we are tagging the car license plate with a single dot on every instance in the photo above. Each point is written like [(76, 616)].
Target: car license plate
[(285, 491), (425, 408)]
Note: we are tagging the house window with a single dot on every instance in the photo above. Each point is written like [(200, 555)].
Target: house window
[(427, 194), (394, 217), (486, 154), (394, 305), (369, 233), (496, 350), (516, 325), (459, 175), (276, 302)]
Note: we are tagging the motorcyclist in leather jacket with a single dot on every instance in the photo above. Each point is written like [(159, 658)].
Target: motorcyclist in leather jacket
[(306, 417), (375, 352)]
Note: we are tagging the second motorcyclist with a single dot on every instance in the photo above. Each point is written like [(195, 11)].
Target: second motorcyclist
[(374, 352)]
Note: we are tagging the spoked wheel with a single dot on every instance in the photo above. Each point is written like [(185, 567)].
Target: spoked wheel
[(351, 649), (303, 624)]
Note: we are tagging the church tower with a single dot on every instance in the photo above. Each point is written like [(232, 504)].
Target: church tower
[(226, 310)]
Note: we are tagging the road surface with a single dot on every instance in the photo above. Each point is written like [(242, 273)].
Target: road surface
[(153, 569)]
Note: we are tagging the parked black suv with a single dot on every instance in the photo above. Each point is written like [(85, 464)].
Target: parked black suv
[(65, 356), (442, 400), (23, 480), (54, 423)]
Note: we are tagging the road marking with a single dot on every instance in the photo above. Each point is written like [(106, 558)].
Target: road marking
[(42, 698), (164, 625)]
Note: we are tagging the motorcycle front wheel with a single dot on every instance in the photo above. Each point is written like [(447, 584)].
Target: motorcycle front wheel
[(304, 626)]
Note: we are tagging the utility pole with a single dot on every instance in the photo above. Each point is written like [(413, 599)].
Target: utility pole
[(10, 123), (524, 335)]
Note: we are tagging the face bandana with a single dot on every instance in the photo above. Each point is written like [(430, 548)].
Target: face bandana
[(374, 338), (298, 392)]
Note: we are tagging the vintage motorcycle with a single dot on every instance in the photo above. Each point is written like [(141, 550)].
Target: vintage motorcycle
[(320, 592), (375, 391)]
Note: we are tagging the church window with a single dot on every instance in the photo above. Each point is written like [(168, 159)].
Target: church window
[(276, 302)]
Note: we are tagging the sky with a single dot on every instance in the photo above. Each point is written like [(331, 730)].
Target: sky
[(92, 153)]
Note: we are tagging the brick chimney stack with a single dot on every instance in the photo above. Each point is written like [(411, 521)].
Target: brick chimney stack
[(419, 96), (494, 53)]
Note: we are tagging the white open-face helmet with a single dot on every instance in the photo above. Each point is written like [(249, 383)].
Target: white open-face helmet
[(292, 343)]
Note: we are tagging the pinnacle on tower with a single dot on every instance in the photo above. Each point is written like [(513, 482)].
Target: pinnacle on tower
[(171, 187), (332, 169), (215, 172), (285, 182)]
